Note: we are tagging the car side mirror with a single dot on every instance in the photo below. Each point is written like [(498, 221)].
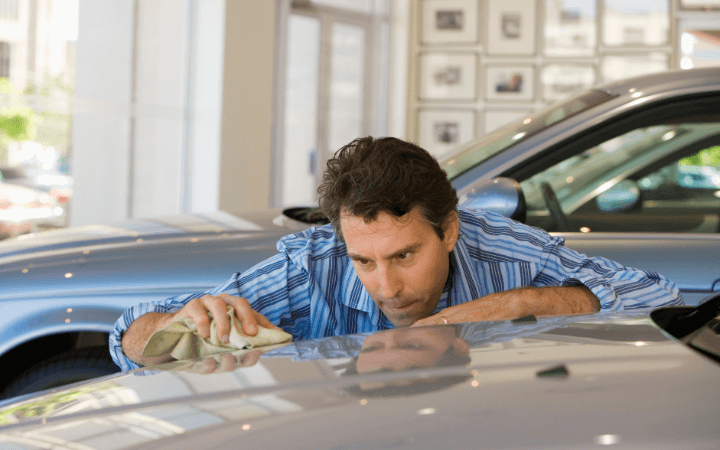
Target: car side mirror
[(501, 195), (623, 196)]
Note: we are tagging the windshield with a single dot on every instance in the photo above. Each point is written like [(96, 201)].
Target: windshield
[(479, 150)]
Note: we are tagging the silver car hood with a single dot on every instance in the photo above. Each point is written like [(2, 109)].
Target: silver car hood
[(188, 253), (571, 382), (155, 228)]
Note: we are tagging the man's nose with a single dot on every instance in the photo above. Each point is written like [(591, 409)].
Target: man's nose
[(390, 283)]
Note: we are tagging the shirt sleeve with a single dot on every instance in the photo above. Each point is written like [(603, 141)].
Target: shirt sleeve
[(617, 287), (276, 288)]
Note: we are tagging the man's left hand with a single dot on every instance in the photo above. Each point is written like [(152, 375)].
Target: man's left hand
[(546, 301)]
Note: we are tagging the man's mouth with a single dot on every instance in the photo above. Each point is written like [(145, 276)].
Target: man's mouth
[(398, 305)]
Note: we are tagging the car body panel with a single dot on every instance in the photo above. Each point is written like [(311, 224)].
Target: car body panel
[(578, 383)]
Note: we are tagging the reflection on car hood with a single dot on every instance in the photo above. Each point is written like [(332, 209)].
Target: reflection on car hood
[(570, 382)]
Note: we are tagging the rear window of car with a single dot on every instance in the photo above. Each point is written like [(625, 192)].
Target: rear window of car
[(475, 152)]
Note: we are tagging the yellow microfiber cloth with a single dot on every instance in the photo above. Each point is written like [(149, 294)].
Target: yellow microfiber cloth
[(180, 339)]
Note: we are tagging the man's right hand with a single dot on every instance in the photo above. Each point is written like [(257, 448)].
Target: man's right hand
[(139, 332), (198, 309)]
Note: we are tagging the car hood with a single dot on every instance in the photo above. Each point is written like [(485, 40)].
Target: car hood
[(188, 253), (568, 382), (157, 228)]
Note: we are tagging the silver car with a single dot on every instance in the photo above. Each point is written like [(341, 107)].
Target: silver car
[(599, 168), (628, 380)]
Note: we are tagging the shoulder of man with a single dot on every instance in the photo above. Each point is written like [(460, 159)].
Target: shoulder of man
[(486, 228), (316, 242)]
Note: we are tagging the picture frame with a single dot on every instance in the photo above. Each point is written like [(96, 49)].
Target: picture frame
[(700, 5), (563, 79), (635, 24), (449, 22), (511, 27), (448, 76), (495, 119), (625, 65), (510, 82), (570, 28), (441, 130)]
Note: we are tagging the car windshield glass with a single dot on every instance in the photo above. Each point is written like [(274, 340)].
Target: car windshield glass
[(582, 177), (477, 151)]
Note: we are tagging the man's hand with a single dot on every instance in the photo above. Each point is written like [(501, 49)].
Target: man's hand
[(198, 309), (546, 301)]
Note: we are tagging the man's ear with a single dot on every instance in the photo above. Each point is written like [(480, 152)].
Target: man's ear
[(451, 228)]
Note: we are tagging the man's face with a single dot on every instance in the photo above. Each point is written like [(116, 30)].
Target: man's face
[(402, 262)]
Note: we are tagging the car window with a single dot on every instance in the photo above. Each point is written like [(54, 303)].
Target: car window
[(660, 178), (477, 151)]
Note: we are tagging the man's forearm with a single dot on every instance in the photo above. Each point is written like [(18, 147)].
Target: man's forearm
[(139, 332), (549, 301), (545, 301)]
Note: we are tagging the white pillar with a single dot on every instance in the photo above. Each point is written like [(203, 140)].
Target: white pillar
[(174, 108), (101, 120)]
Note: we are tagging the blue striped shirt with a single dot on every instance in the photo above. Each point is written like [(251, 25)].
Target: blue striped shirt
[(310, 288)]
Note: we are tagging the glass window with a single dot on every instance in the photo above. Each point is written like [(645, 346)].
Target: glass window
[(477, 151), (655, 178), (347, 82), (301, 101)]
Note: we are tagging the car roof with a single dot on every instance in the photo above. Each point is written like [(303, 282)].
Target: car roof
[(668, 80)]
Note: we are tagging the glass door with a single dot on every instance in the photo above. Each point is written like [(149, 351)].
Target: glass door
[(328, 91)]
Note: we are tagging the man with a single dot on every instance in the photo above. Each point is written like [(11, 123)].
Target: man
[(399, 252)]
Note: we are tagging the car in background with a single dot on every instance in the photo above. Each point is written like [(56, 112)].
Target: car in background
[(630, 380), (23, 210), (58, 184), (591, 168)]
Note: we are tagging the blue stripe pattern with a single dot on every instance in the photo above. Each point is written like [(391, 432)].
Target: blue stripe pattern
[(311, 290)]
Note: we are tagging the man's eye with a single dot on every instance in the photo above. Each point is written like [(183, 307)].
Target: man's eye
[(403, 255), (364, 262)]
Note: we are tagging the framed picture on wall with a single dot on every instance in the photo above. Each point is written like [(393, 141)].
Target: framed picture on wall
[(511, 27), (495, 119), (562, 80), (441, 130), (704, 5), (449, 21), (632, 24), (570, 28), (448, 76), (626, 65), (510, 82)]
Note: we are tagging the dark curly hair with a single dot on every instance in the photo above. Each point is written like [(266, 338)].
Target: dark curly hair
[(369, 176)]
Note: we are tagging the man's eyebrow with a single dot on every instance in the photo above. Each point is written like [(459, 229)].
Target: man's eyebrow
[(406, 249)]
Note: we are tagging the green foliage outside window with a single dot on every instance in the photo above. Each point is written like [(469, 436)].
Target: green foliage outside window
[(708, 157), (17, 121)]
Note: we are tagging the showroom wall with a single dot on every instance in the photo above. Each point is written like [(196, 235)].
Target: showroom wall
[(477, 64)]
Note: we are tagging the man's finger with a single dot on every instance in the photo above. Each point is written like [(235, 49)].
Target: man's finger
[(245, 315), (265, 322), (196, 310), (218, 308)]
